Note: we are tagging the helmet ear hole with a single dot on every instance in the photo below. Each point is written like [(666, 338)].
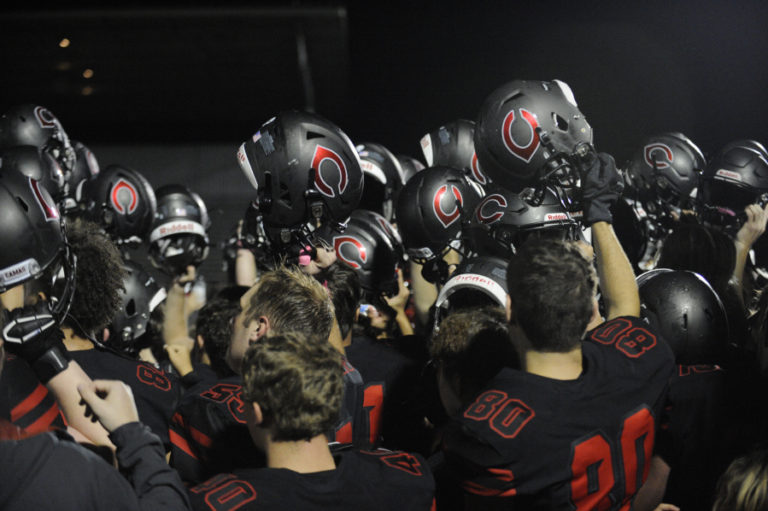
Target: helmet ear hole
[(130, 308), (560, 122), (22, 203), (313, 134)]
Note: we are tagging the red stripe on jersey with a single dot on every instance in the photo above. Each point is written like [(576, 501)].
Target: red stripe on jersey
[(178, 419), (29, 403), (200, 437), (43, 423), (180, 442)]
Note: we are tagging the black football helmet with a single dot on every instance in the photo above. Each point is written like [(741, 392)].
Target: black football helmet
[(140, 297), (86, 168), (35, 125), (121, 201), (453, 145), (410, 166), (735, 178), (532, 132), (384, 178), (372, 246), (430, 210), (34, 240), (664, 172), (37, 164), (689, 314), (179, 236), (477, 281), (504, 220)]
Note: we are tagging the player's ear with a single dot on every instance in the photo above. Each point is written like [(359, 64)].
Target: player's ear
[(510, 310), (258, 416), (261, 330)]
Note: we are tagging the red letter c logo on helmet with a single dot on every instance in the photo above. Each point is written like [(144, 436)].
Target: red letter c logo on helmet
[(44, 117), (358, 253), (326, 156), (524, 152), (494, 216), (124, 197), (655, 155), (447, 218), (476, 172)]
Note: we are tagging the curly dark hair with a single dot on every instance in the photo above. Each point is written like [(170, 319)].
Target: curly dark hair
[(98, 278)]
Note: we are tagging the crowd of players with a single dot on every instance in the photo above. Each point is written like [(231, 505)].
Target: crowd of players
[(515, 322)]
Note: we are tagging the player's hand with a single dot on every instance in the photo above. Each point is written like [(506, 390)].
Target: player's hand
[(601, 186), (400, 301), (180, 355), (754, 227), (110, 402), (32, 333)]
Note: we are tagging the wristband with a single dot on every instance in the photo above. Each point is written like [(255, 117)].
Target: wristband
[(51, 363)]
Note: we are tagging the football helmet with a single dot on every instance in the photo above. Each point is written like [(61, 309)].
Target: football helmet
[(665, 171), (503, 220), (86, 168), (688, 313), (477, 281), (372, 246), (384, 178), (34, 240), (430, 209), (532, 132), (453, 145), (410, 166), (122, 201), (35, 125), (37, 164), (141, 295), (736, 177), (179, 235)]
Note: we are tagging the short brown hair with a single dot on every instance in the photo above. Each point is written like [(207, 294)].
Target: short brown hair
[(474, 344), (297, 381), (293, 301)]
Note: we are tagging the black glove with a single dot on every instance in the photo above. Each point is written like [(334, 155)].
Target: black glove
[(601, 186), (32, 333)]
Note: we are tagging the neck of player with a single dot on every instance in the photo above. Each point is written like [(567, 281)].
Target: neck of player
[(558, 366), (303, 456)]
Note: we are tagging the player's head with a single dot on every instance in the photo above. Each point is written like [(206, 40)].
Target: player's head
[(141, 299), (36, 257), (99, 278), (470, 347), (297, 382), (744, 484), (343, 284), (284, 299), (179, 236), (213, 329), (526, 132), (551, 287), (688, 313)]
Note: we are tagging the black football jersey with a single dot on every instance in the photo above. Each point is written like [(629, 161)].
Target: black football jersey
[(209, 433), (25, 401), (568, 444), (692, 435), (156, 392), (370, 480)]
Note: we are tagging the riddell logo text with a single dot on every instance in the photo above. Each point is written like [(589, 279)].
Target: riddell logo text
[(176, 228)]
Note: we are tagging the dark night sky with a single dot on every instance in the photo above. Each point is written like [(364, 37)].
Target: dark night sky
[(389, 72)]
